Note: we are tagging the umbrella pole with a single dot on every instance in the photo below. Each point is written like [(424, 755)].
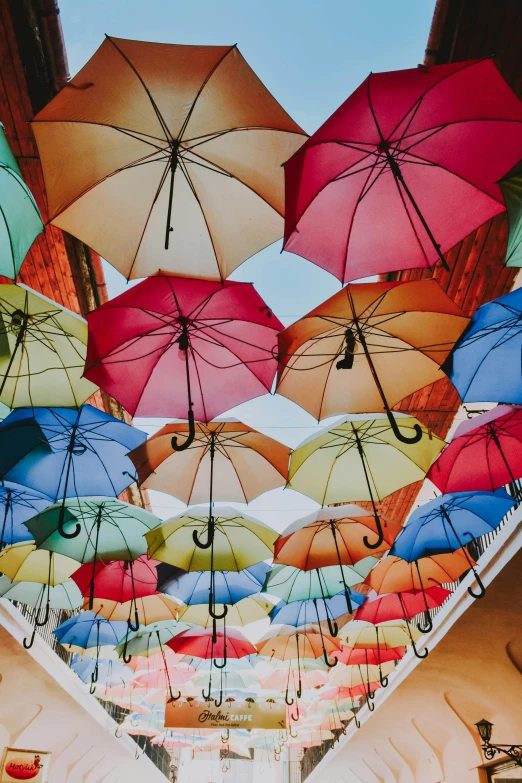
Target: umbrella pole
[(299, 689), (482, 589), (429, 626), (37, 620), (184, 345), (288, 701), (18, 319), (391, 418), (494, 436), (332, 625), (216, 703), (167, 675), (399, 179), (222, 665), (6, 514), (382, 680), (325, 654), (136, 625), (414, 648), (94, 675), (96, 542), (380, 532), (369, 704), (207, 696), (345, 586), (70, 451), (172, 165)]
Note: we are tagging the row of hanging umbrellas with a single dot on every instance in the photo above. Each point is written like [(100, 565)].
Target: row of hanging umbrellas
[(183, 147)]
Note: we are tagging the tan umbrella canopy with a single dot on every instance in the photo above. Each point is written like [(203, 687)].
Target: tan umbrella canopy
[(227, 458), (167, 158)]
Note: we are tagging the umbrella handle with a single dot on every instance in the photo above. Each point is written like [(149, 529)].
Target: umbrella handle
[(37, 620), (174, 698), (276, 756), (94, 675), (211, 605), (327, 662), (417, 653), (356, 721), (294, 736), (61, 523), (29, 644), (428, 627), (221, 665), (332, 627), (296, 718), (118, 736), (482, 589), (383, 680), (288, 702), (133, 627), (92, 688), (209, 541), (190, 437), (206, 696), (370, 705), (225, 737), (380, 535), (398, 434), (216, 703)]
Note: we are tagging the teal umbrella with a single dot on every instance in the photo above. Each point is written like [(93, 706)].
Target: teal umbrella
[(107, 530), (20, 221), (292, 584), (66, 595), (511, 187)]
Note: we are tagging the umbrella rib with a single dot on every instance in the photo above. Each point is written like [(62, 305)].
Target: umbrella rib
[(198, 202)]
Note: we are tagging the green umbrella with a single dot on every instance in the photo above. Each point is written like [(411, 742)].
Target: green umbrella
[(107, 530), (150, 639), (292, 584), (20, 221), (66, 595), (511, 187)]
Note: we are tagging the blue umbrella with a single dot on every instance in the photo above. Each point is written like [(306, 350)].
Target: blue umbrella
[(313, 610), (449, 522), (62, 452), (485, 364), (17, 505), (229, 586), (110, 673)]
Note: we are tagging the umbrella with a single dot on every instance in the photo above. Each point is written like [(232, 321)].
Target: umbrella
[(61, 596), (403, 170), (388, 635), (279, 680), (361, 680), (150, 640), (42, 351), (110, 673), (19, 504), (352, 656), (21, 221), (121, 580), (247, 610), (332, 536), (286, 642), (171, 345), (234, 541), (511, 187), (182, 145), (400, 606), (361, 459), (147, 611), (395, 575), (484, 366), (68, 453), (485, 453), (227, 461), (229, 586), (448, 522), (315, 610), (104, 530), (367, 347)]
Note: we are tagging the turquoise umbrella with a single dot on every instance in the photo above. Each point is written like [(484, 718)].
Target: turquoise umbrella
[(511, 187), (66, 595), (20, 221)]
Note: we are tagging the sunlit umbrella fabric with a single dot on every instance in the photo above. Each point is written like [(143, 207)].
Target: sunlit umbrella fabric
[(181, 144), (285, 643), (246, 463), (23, 562), (148, 343), (328, 467), (366, 341), (149, 640), (120, 580), (110, 673), (42, 351), (352, 676), (20, 221), (240, 541), (68, 453), (385, 636), (62, 596), (399, 606), (229, 586), (198, 642), (18, 504), (403, 170), (314, 610), (395, 575), (149, 609), (293, 584), (247, 610), (88, 630)]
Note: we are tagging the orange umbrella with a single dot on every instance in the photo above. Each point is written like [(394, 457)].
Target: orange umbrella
[(167, 158), (368, 347), (150, 609), (227, 461)]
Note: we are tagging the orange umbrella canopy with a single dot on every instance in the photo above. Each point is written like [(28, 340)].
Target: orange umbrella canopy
[(167, 158), (395, 575), (332, 536), (245, 462), (399, 333)]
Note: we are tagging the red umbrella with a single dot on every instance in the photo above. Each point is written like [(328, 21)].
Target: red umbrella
[(172, 344), (484, 454), (353, 656), (400, 606), (198, 643), (403, 170)]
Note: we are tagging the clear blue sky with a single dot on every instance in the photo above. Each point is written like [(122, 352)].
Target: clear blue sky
[(311, 55)]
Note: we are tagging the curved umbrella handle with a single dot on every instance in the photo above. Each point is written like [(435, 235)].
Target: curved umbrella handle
[(370, 705), (296, 718), (482, 589), (327, 662), (332, 627), (133, 627), (37, 620), (356, 721), (62, 531), (276, 756), (417, 653), (94, 675), (118, 736), (289, 702), (92, 688), (209, 541), (206, 697), (398, 434), (380, 535), (190, 437), (174, 698), (429, 626), (212, 606), (383, 680), (220, 702), (29, 644), (294, 736), (225, 737), (221, 665)]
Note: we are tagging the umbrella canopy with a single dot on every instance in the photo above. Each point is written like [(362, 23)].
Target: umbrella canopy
[(110, 673), (181, 144), (485, 453), (485, 363), (291, 584), (368, 346), (148, 610), (229, 586), (42, 351), (121, 580), (314, 610), (68, 453), (511, 187), (17, 505), (332, 536), (160, 678), (62, 596), (385, 636), (199, 643), (174, 346), (23, 562), (351, 676), (227, 458), (88, 630), (279, 679), (353, 656), (286, 642), (239, 541), (408, 158), (21, 221), (147, 641), (395, 575), (399, 606), (247, 610)]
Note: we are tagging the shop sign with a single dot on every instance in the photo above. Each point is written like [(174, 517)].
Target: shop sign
[(237, 714), (19, 765)]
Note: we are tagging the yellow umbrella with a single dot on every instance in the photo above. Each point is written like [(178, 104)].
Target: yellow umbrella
[(248, 610), (42, 351), (360, 458), (167, 158), (23, 562), (384, 636), (149, 609), (285, 643)]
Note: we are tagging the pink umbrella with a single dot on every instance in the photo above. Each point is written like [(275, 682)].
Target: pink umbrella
[(403, 170), (352, 656), (175, 346), (485, 453), (158, 679), (400, 606)]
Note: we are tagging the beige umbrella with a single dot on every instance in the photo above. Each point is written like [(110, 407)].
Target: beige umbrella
[(167, 158), (227, 459), (248, 610)]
